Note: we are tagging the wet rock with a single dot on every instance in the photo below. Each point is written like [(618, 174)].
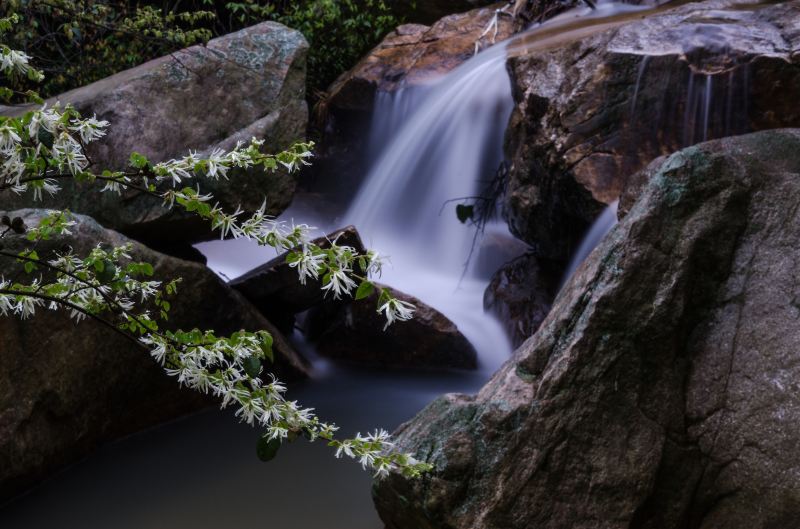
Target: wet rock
[(415, 54), (353, 332), (662, 389), (411, 56), (245, 84), (521, 293), (274, 287), (66, 388), (590, 112)]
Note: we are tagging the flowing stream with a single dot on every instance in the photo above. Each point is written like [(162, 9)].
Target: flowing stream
[(433, 146)]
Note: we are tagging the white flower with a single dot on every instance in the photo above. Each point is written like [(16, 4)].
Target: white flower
[(6, 300), (396, 310), (9, 139), (240, 158), (13, 168), (345, 447), (367, 459), (68, 153), (89, 129), (277, 432), (49, 185), (216, 165), (308, 264), (382, 468), (226, 222), (159, 352), (44, 118), (13, 60), (340, 283), (176, 170), (26, 306), (115, 186)]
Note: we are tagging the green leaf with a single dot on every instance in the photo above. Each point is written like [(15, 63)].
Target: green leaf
[(365, 289), (266, 346), (45, 137), (464, 212), (138, 161), (267, 449), (252, 366), (106, 272)]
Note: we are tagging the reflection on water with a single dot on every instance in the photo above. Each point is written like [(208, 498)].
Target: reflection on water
[(202, 472)]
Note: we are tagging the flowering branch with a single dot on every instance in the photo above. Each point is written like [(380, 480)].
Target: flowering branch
[(46, 145), (230, 368)]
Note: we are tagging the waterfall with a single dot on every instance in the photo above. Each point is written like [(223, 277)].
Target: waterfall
[(442, 142), (441, 151), (601, 226), (446, 143)]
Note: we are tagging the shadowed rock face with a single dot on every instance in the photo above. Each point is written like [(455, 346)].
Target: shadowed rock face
[(66, 388), (353, 332), (592, 112), (520, 295), (274, 287), (662, 389), (249, 83)]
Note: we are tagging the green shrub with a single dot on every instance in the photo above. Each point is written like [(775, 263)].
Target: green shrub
[(340, 33), (76, 42)]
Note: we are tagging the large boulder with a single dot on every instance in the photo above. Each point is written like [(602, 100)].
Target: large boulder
[(65, 388), (245, 84), (596, 109), (353, 332), (661, 391), (274, 287)]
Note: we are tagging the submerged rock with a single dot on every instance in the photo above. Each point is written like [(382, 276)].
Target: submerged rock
[(592, 111), (274, 287), (353, 332), (521, 293), (65, 388), (662, 389), (245, 84)]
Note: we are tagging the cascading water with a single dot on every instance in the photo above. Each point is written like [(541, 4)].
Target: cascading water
[(441, 152), (599, 229)]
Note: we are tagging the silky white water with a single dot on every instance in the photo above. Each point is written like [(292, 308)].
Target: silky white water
[(442, 152), (600, 227)]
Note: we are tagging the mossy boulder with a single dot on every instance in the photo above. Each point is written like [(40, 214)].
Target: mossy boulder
[(246, 84), (662, 389)]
